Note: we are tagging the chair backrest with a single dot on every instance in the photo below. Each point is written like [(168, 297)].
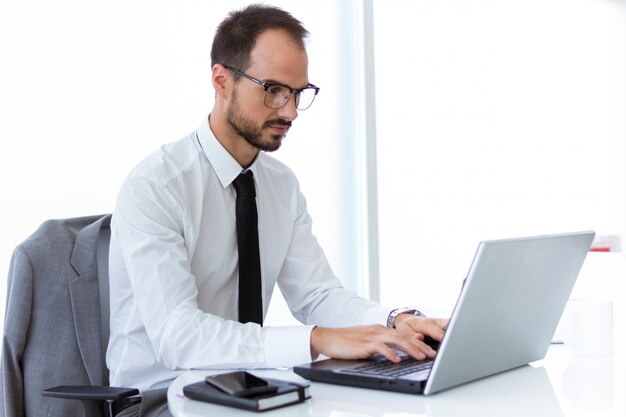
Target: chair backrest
[(56, 327)]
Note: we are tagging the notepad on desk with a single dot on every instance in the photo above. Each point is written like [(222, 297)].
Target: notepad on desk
[(288, 393)]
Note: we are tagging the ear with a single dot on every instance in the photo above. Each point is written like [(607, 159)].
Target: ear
[(221, 80)]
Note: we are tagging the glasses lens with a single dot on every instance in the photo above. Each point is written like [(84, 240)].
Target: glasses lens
[(305, 98), (276, 96)]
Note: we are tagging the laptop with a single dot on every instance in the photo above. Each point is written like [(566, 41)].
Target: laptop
[(504, 318)]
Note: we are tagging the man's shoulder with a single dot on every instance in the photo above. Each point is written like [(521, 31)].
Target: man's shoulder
[(169, 161)]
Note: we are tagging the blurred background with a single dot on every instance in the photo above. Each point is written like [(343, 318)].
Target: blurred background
[(438, 125)]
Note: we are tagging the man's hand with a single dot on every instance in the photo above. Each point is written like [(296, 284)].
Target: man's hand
[(363, 341), (409, 324)]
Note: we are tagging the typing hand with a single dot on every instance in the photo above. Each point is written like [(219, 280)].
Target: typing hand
[(422, 328), (364, 341)]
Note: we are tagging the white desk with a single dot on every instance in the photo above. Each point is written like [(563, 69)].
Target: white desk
[(560, 385)]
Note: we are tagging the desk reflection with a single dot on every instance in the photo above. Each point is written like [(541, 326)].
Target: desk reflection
[(582, 387), (525, 391)]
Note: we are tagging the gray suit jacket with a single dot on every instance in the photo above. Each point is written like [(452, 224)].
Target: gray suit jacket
[(52, 323)]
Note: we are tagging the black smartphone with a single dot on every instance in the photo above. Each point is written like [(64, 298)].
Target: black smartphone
[(241, 384)]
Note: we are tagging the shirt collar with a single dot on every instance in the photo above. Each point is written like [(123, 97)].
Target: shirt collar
[(225, 166)]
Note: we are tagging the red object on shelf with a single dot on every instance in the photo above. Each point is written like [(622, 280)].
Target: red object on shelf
[(600, 249)]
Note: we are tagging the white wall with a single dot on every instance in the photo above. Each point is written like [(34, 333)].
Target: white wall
[(495, 119), (505, 115), (88, 89)]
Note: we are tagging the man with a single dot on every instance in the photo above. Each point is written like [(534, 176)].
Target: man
[(175, 261)]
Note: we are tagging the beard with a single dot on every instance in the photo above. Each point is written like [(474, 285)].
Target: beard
[(254, 136)]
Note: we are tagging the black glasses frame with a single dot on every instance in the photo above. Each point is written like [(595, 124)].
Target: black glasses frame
[(295, 91)]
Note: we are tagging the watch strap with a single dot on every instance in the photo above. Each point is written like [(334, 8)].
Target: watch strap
[(394, 313)]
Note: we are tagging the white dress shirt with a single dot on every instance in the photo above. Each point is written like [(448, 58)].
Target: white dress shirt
[(173, 268)]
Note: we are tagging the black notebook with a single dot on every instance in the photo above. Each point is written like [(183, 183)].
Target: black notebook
[(288, 393)]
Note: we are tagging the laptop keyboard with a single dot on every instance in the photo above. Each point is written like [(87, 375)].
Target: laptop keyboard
[(387, 368)]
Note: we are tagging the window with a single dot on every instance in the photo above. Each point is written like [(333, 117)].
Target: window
[(495, 119)]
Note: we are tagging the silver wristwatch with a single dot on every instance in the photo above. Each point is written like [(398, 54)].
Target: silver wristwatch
[(394, 313)]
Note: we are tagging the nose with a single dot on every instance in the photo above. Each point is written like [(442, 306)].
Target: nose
[(289, 110)]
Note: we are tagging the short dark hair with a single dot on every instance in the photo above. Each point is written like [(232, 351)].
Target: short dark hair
[(237, 34)]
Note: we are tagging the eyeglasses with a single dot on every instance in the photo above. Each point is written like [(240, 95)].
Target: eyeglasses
[(277, 95)]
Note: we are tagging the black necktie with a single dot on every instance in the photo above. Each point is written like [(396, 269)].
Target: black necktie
[(250, 298)]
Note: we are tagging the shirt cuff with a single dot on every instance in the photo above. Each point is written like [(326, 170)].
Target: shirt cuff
[(287, 345)]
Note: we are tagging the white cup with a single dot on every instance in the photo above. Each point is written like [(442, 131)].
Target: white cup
[(588, 327)]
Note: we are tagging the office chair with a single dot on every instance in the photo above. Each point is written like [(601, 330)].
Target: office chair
[(57, 324)]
